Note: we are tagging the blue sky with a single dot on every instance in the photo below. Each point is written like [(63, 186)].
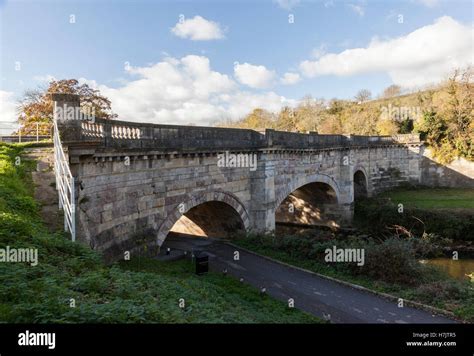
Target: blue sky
[(184, 69)]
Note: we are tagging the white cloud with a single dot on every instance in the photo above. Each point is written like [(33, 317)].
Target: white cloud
[(7, 107), (424, 56), (287, 4), (8, 115), (184, 91), (319, 51), (290, 78), (254, 76), (92, 83), (242, 103), (428, 3), (328, 3), (44, 78), (358, 9), (198, 29)]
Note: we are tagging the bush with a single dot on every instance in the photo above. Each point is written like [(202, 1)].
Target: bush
[(440, 290), (430, 245), (392, 261)]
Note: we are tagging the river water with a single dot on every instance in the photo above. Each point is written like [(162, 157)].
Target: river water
[(458, 269)]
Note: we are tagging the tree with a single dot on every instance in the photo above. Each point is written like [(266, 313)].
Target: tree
[(257, 119), (308, 114), (336, 106), (331, 125), (363, 95), (405, 126), (391, 91), (287, 120), (36, 106), (454, 113), (448, 127), (386, 127), (360, 120)]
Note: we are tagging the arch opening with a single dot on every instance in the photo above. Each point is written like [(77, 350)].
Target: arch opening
[(360, 185), (311, 204), (210, 219)]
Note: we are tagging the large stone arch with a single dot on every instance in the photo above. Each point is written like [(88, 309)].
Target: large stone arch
[(316, 200), (299, 182), (193, 200)]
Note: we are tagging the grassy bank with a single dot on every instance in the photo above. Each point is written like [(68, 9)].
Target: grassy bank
[(433, 198), (390, 267), (137, 291)]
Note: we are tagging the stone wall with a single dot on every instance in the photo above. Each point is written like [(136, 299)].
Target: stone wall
[(459, 173)]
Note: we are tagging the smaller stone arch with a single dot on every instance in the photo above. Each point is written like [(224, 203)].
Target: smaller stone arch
[(360, 182), (194, 200), (361, 168)]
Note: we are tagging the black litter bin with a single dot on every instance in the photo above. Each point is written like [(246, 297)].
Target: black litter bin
[(202, 262)]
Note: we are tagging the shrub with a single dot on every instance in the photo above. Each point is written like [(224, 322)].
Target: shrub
[(430, 245), (392, 261), (440, 290)]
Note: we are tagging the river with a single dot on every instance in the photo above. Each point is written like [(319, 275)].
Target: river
[(458, 269)]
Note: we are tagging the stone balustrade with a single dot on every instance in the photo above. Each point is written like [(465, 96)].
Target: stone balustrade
[(123, 134)]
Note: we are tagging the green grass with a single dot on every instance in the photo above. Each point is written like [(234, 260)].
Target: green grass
[(432, 287), (136, 291), (433, 198)]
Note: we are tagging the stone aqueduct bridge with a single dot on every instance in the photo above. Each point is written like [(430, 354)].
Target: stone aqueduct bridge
[(137, 182)]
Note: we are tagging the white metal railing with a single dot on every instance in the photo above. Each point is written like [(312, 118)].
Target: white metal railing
[(24, 134), (64, 184)]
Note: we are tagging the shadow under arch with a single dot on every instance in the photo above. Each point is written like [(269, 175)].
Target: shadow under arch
[(302, 181), (312, 200), (224, 206)]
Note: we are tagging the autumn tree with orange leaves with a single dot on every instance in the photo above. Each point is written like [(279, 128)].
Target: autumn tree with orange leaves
[(36, 106)]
